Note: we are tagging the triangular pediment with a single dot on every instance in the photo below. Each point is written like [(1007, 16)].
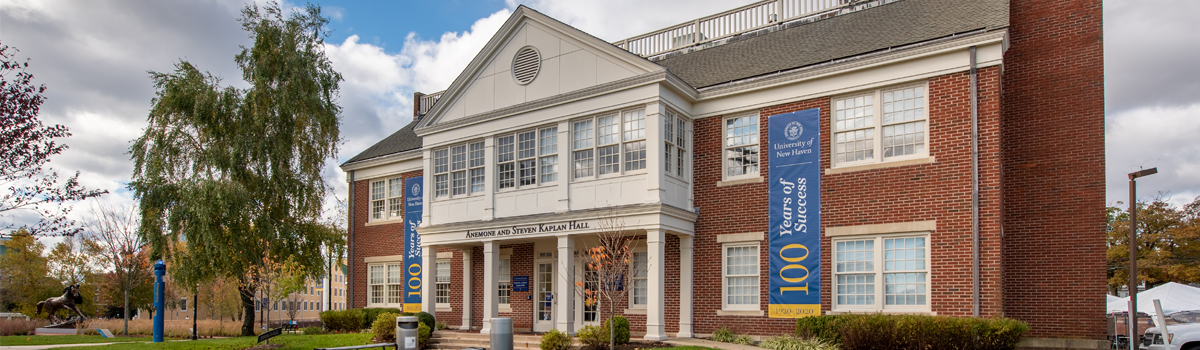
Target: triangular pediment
[(568, 60)]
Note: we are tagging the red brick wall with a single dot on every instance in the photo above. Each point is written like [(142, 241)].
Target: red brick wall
[(368, 241), (937, 191), (1053, 166)]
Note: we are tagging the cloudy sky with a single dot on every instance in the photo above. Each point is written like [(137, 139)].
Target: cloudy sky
[(93, 57)]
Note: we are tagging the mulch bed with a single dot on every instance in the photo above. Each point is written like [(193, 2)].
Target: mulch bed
[(635, 345), (265, 346)]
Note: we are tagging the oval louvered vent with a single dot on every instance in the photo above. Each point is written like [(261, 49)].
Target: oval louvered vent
[(526, 65)]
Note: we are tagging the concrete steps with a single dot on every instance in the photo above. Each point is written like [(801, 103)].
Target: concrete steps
[(451, 340)]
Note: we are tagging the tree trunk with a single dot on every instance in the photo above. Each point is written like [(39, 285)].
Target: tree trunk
[(248, 310), (126, 311)]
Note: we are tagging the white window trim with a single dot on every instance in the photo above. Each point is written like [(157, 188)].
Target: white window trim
[(877, 114), (758, 277), (450, 171), (449, 285), (724, 161), (385, 303), (880, 298), (637, 309), (505, 306), (387, 213), (675, 146), (622, 169), (537, 158)]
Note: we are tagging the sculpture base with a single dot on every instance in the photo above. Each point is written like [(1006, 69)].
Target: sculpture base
[(57, 331)]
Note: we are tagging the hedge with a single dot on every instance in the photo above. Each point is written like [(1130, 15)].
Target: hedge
[(879, 331), (373, 313), (349, 320)]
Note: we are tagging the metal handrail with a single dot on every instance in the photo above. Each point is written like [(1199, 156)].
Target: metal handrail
[(726, 24)]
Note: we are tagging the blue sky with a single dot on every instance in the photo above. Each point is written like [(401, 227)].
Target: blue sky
[(387, 23)]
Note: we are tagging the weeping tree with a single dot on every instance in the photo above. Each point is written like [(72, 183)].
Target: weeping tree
[(226, 177)]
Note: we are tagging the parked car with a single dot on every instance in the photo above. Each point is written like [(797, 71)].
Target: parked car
[(1183, 336)]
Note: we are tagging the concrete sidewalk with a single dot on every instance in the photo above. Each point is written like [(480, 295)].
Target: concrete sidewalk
[(49, 346), (709, 344)]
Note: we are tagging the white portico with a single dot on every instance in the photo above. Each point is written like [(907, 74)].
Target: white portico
[(547, 133)]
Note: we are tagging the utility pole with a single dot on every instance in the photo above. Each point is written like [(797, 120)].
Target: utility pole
[(1133, 282)]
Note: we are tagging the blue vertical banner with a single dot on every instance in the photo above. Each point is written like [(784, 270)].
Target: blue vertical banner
[(413, 199), (794, 164)]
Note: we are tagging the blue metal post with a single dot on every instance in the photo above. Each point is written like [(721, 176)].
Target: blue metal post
[(159, 289)]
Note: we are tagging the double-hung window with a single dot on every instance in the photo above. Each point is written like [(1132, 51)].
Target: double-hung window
[(741, 147), (442, 288), (384, 283), (505, 279), (880, 126), (520, 156), (675, 146), (607, 144), (740, 276), (387, 199), (458, 170), (881, 273), (637, 278)]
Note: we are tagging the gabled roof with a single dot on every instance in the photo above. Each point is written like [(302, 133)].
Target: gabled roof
[(402, 140), (879, 28)]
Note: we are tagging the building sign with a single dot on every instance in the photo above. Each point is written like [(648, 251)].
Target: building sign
[(520, 230), (413, 197), (795, 216), (520, 283)]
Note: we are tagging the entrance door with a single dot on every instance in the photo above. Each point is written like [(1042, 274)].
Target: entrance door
[(587, 315), (543, 310)]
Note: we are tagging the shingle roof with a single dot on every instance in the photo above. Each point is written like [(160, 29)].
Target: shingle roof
[(895, 24), (402, 140)]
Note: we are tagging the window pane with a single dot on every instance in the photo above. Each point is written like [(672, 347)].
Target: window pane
[(443, 271), (679, 161), (904, 139), (582, 135), (528, 172), (395, 293), (395, 187), (395, 273), (855, 145), (855, 256), (606, 130), (477, 180), (549, 141), (505, 280), (668, 155), (904, 288), (741, 275), (635, 125), (904, 254), (680, 134), (377, 274), (635, 155), (904, 105), (549, 169), (440, 185), (741, 160), (376, 209), (853, 113), (856, 289), (608, 159), (441, 160), (376, 295), (476, 154), (395, 206), (640, 287), (669, 127), (741, 131), (458, 157), (504, 149), (583, 163), (526, 145), (459, 182), (507, 175), (377, 190)]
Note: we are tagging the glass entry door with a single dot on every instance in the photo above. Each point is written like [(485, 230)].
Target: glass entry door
[(543, 311)]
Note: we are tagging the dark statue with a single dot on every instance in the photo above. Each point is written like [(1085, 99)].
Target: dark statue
[(68, 300)]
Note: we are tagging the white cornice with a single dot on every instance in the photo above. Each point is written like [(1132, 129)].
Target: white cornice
[(383, 160), (588, 214)]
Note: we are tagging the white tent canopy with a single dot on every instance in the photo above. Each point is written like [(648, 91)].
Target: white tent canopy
[(1174, 297)]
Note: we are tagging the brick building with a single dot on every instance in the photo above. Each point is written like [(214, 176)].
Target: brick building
[(550, 131)]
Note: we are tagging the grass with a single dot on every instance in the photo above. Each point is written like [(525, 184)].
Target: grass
[(297, 341), (13, 340)]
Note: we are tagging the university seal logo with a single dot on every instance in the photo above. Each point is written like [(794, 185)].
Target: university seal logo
[(793, 130), (416, 189)]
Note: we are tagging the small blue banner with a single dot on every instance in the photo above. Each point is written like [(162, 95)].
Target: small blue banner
[(413, 200), (520, 283), (794, 160)]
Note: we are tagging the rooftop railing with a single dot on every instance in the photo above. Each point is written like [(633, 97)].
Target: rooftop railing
[(726, 24), (425, 102)]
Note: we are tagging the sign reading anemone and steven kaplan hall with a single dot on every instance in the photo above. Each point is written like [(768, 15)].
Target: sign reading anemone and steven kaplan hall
[(413, 200), (795, 215)]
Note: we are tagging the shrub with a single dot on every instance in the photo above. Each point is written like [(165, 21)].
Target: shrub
[(20, 326), (423, 335), (743, 339), (385, 327), (370, 314), (877, 331), (593, 337), (555, 340), (440, 326), (621, 334), (349, 320), (313, 330), (785, 342), (427, 319), (724, 335)]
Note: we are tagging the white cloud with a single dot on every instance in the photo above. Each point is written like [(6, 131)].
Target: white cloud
[(1164, 137), (614, 20)]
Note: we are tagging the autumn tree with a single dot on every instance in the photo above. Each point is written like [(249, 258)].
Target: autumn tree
[(1168, 241), (236, 173), (72, 262), (25, 274), (114, 232), (607, 266), (34, 201)]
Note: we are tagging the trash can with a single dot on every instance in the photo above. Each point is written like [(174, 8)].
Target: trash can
[(406, 333), (502, 334)]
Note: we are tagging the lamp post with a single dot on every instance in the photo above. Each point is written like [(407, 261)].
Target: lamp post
[(1133, 325)]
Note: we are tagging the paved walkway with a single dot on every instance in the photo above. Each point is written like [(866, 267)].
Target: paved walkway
[(50, 346), (709, 344)]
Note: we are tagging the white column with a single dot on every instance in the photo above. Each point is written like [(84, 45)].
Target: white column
[(685, 286), (565, 170), (489, 167), (564, 297), (466, 304), (426, 191), (491, 268), (656, 254), (428, 279), (655, 178)]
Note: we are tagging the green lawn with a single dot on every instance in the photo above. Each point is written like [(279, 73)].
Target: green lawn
[(13, 340), (297, 341)]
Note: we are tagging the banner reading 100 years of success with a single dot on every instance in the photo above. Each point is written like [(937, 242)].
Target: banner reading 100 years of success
[(413, 197), (795, 218)]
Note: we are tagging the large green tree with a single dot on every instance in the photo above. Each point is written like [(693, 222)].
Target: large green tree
[(25, 274), (1168, 243), (229, 178)]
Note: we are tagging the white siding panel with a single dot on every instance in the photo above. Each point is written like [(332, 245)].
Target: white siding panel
[(607, 71), (480, 96), (547, 82), (578, 70), (546, 43)]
